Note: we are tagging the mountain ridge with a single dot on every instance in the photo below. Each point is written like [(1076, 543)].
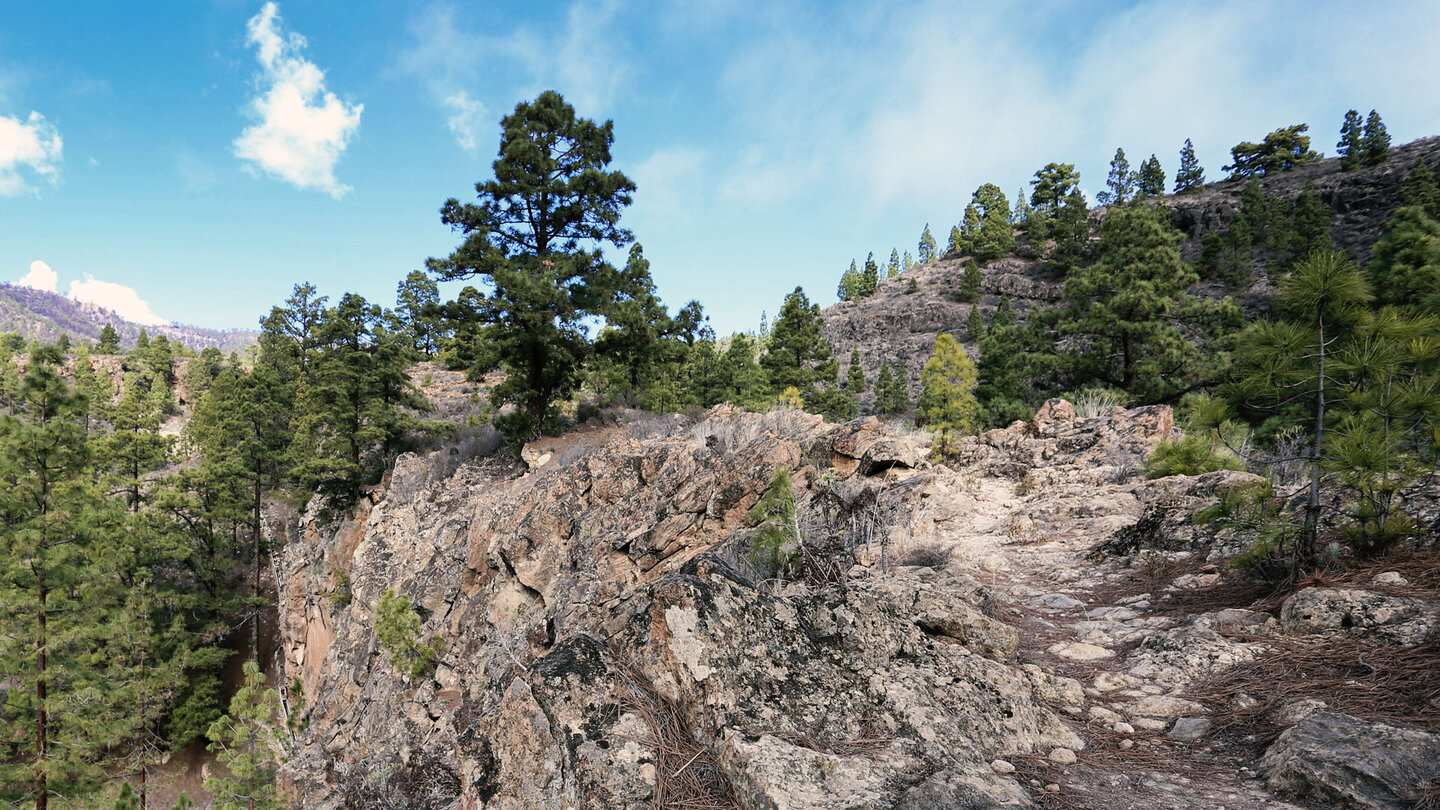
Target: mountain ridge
[(45, 316)]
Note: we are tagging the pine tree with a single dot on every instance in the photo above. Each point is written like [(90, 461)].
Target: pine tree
[(1004, 314), (891, 394), (869, 277), (974, 325), (994, 236), (970, 285), (892, 268), (1052, 184), (956, 245), (1127, 305), (1190, 177), (1404, 266), (907, 263), (926, 251), (849, 289), (1282, 150), (1150, 180), (534, 237), (1310, 228), (1070, 228), (798, 355), (1020, 217), (249, 744), (970, 226), (855, 377), (1281, 360), (109, 342), (134, 447), (1421, 190), (53, 606), (1375, 143), (1120, 183), (947, 397), (1350, 148), (417, 313)]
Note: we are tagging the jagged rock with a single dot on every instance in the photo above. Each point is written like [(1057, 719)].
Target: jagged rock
[(1338, 761), (1190, 729), (627, 542), (1400, 619)]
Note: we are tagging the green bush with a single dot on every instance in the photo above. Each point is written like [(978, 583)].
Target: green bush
[(1195, 454), (777, 539), (397, 626)]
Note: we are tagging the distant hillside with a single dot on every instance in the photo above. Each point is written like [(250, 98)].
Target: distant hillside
[(898, 327), (45, 316)]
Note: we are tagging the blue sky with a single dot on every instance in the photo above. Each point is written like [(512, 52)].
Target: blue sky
[(209, 154)]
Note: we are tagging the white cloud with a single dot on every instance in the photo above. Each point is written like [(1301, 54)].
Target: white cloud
[(118, 298), (40, 277), (467, 116), (33, 144), (303, 127)]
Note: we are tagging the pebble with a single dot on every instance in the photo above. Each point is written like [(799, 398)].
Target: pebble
[(1062, 756), (1052, 788), (1001, 766), (1123, 728), (1126, 744), (1390, 578), (1190, 729)]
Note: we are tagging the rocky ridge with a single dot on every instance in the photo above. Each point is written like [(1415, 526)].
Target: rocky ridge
[(899, 327), (605, 642)]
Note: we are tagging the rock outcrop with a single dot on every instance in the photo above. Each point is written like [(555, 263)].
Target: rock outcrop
[(603, 643), (978, 634)]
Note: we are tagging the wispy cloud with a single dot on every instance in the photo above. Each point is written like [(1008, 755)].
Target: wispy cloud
[(40, 277), (466, 118), (585, 59), (118, 298), (31, 146), (303, 128)]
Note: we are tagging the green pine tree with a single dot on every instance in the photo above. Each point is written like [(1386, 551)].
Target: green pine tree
[(974, 325), (1420, 189), (849, 289), (947, 402), (970, 285), (249, 743), (1190, 177), (109, 342), (855, 376), (54, 607), (1150, 180), (534, 237), (1129, 307), (1120, 183), (956, 245), (869, 277), (891, 392), (1350, 149), (926, 251), (995, 236), (892, 268), (1375, 142)]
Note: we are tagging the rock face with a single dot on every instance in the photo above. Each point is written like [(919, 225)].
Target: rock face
[(605, 646), (1337, 761)]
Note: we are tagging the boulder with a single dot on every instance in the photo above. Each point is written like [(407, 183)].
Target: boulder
[(1341, 762), (1400, 619)]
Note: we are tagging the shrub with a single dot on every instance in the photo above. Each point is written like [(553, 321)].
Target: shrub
[(1195, 454), (397, 626), (777, 537)]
